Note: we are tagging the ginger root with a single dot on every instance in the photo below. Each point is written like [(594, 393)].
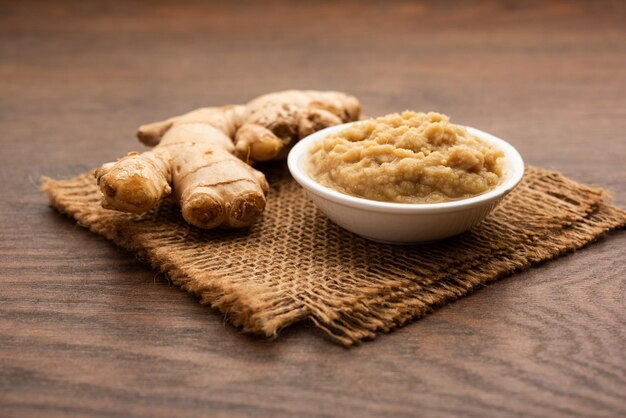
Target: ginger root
[(203, 157)]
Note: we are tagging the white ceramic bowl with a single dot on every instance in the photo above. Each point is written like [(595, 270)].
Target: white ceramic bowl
[(403, 223)]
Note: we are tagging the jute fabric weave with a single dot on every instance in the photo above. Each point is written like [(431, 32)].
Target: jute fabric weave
[(296, 265)]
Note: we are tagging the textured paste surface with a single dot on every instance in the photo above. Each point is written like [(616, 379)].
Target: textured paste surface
[(407, 158), (295, 265)]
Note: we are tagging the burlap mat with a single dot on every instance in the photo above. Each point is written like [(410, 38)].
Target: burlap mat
[(296, 265)]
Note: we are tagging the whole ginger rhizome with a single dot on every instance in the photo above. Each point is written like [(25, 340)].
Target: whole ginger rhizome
[(203, 158)]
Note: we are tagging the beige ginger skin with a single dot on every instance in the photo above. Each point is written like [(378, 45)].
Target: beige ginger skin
[(203, 158)]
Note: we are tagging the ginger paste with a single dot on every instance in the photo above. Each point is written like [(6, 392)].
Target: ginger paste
[(407, 158)]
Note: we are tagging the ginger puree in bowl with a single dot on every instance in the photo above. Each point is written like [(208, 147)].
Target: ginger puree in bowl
[(406, 158)]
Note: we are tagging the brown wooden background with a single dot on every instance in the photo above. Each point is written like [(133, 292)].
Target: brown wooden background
[(86, 330)]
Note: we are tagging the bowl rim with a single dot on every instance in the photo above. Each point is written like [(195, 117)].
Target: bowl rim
[(514, 173)]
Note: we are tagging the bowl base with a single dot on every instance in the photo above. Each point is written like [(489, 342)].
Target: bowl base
[(382, 241)]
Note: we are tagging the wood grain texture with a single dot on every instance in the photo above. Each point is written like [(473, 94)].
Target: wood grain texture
[(87, 330)]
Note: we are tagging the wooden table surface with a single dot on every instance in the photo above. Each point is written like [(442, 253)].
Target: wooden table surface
[(87, 330)]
